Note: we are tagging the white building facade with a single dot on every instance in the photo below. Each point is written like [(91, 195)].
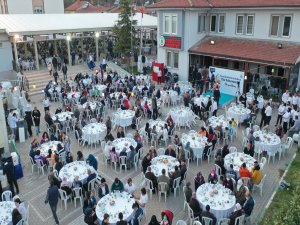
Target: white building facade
[(182, 27)]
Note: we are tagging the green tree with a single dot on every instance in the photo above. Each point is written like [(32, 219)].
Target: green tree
[(124, 29)]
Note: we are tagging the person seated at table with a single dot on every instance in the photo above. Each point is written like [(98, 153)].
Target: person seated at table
[(114, 157), (109, 137), (240, 192), (76, 183), (180, 152), (90, 177), (120, 133), (249, 149), (174, 175), (170, 123), (90, 217), (147, 109), (244, 172), (80, 156), (228, 183), (89, 203), (130, 187), (256, 173), (40, 157), (60, 149), (243, 99), (103, 188), (195, 206), (202, 132), (51, 155), (279, 131), (198, 180), (69, 157), (21, 208), (176, 140), (248, 205), (117, 186), (220, 162), (165, 179), (187, 190), (170, 151), (212, 177), (45, 138), (152, 152), (121, 221), (225, 151), (146, 162), (151, 176), (138, 139), (235, 214), (92, 161), (126, 103), (58, 110), (231, 172), (205, 150), (153, 221), (208, 214), (183, 169), (66, 186), (137, 213), (16, 216)]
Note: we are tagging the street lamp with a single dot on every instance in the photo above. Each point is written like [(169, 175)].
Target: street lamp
[(68, 37), (97, 34)]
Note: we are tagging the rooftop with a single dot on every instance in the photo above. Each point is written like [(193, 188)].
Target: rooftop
[(250, 50)]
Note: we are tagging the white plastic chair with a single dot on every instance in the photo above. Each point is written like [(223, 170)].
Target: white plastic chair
[(181, 222), (91, 185), (123, 163), (198, 154), (239, 220), (260, 185), (40, 166), (246, 180), (64, 197), (263, 162), (232, 149), (6, 196), (191, 215), (218, 171), (26, 221), (162, 187), (77, 195), (149, 186), (33, 164), (185, 203), (176, 185), (196, 222), (209, 150), (224, 221), (50, 165), (136, 161), (207, 220), (160, 151)]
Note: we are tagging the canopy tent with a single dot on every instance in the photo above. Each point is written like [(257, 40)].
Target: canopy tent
[(37, 24)]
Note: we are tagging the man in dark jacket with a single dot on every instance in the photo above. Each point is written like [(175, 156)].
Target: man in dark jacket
[(64, 70), (150, 175), (208, 214), (248, 205), (8, 170), (217, 95), (237, 213), (52, 199), (174, 175)]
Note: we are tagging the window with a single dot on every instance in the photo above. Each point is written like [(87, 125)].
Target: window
[(281, 25), (173, 59), (170, 24), (213, 23), (240, 24), (250, 24), (275, 25), (37, 10), (201, 23), (221, 28), (286, 26)]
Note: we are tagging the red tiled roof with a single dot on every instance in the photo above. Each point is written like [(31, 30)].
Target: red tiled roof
[(224, 3), (94, 9), (250, 50), (138, 9), (76, 5)]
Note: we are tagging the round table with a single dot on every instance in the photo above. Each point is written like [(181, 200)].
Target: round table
[(62, 117), (76, 168), (163, 162), (239, 113), (121, 143), (48, 145), (74, 94), (182, 115), (93, 105), (94, 132), (219, 198), (237, 159), (123, 118), (6, 209), (197, 142), (87, 81), (149, 101), (201, 98), (6, 85), (101, 87), (218, 121), (113, 204), (184, 86), (173, 94), (269, 142), (142, 77)]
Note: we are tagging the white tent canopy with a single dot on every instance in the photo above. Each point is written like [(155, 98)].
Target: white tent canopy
[(35, 24)]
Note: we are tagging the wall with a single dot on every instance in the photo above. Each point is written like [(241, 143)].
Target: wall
[(19, 6), (54, 6), (5, 54)]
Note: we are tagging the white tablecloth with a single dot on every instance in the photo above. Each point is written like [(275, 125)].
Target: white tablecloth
[(141, 78), (93, 105), (260, 100), (62, 116), (149, 101), (182, 115), (173, 95), (116, 94), (94, 132), (101, 87), (218, 121), (48, 145), (219, 199), (121, 143), (74, 94), (201, 98), (6, 209), (123, 118), (184, 86), (113, 204), (269, 142), (239, 113), (197, 142), (87, 81), (76, 168), (163, 162), (237, 159), (6, 84)]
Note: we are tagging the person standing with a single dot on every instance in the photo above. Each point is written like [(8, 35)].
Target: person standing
[(36, 118), (263, 115), (9, 171), (13, 124), (28, 119), (49, 66), (159, 75), (214, 108), (52, 199), (268, 113), (281, 111), (286, 119), (46, 103), (64, 70), (55, 76), (217, 95)]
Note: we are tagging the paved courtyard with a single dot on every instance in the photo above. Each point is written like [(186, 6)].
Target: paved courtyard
[(33, 187)]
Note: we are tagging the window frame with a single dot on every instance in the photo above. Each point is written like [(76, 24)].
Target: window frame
[(170, 24), (282, 25), (224, 21), (216, 23), (271, 23), (247, 23), (171, 64), (176, 25), (175, 53), (237, 25), (164, 22)]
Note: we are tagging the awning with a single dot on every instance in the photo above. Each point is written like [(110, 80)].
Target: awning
[(264, 52)]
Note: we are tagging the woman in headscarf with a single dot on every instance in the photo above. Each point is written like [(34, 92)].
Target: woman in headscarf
[(153, 221), (212, 177), (240, 192), (92, 161), (180, 153), (199, 180), (237, 212), (195, 206)]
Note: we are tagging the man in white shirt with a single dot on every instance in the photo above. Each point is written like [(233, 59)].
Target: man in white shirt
[(285, 96), (268, 113), (281, 111), (295, 101), (214, 108), (143, 199), (13, 124), (46, 103), (130, 187)]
